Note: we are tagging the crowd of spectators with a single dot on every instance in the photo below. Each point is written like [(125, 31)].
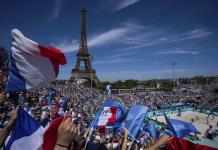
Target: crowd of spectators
[(82, 103)]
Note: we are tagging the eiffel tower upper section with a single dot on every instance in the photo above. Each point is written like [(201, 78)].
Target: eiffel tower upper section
[(83, 68), (83, 48)]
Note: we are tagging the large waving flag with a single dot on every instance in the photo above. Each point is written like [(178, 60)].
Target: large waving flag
[(180, 128), (135, 118), (31, 65), (27, 134)]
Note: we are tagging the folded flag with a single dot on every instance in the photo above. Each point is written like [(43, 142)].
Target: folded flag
[(31, 65), (180, 128), (27, 133), (135, 118), (179, 143)]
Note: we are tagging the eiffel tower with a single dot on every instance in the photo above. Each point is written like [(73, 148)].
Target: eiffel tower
[(83, 68)]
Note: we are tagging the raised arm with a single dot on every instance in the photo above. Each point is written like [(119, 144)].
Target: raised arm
[(124, 146)]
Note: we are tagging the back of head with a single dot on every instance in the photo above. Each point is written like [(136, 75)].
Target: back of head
[(101, 147)]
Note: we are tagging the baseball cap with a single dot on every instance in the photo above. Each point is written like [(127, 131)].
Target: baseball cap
[(97, 137)]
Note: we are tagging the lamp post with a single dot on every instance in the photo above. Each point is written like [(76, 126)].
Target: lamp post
[(173, 65), (91, 59)]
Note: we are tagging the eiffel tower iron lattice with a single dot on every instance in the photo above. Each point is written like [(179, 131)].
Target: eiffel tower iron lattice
[(85, 70)]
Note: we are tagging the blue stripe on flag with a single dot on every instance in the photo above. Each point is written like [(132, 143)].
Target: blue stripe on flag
[(15, 80)]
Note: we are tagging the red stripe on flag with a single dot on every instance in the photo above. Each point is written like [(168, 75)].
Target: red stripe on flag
[(53, 53), (113, 116)]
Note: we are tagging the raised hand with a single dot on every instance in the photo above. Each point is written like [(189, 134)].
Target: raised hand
[(66, 133), (14, 114)]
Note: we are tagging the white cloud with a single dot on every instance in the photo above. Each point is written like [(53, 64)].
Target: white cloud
[(150, 36), (116, 60), (111, 36), (199, 33), (121, 4), (131, 35), (192, 34), (106, 61), (56, 10), (178, 52), (66, 45)]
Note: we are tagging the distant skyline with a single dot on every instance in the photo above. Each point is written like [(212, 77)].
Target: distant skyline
[(128, 39)]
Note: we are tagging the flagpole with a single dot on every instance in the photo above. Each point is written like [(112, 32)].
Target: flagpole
[(131, 144), (90, 133), (91, 71), (50, 113), (132, 136)]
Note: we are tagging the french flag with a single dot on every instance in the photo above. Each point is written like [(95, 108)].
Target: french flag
[(31, 65), (112, 114), (27, 133), (106, 118), (30, 135)]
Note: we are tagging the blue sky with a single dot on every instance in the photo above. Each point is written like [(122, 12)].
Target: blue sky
[(135, 39)]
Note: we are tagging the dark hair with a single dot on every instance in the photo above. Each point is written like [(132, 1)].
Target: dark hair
[(101, 147)]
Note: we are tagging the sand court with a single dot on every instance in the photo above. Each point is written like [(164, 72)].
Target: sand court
[(200, 120)]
